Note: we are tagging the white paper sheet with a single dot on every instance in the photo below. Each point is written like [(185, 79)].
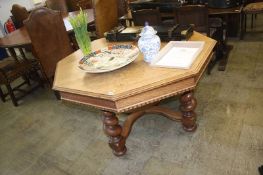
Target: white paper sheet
[(180, 57)]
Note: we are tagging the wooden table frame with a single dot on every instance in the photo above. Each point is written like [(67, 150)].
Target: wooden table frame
[(118, 92)]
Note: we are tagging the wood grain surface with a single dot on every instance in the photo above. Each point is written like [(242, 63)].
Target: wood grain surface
[(132, 86)]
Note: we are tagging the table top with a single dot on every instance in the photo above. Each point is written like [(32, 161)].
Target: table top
[(20, 37), (121, 89), (219, 11)]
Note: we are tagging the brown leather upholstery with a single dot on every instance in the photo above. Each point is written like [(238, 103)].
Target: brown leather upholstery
[(10, 70), (106, 15), (49, 38), (59, 5), (152, 16), (193, 14), (19, 14)]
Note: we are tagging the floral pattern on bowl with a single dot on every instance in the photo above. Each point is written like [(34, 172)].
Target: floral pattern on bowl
[(109, 58)]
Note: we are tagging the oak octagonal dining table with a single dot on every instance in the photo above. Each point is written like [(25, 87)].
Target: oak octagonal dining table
[(136, 89)]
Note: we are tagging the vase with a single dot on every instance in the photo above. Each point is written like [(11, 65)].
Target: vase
[(84, 42), (149, 43)]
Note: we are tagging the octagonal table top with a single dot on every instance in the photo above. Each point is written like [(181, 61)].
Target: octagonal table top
[(136, 79)]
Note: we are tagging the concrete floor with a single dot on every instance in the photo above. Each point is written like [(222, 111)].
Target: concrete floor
[(44, 136)]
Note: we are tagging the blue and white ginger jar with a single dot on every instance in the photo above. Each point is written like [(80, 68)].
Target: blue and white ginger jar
[(149, 43)]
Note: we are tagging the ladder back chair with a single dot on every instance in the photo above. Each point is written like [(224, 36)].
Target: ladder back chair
[(19, 13), (10, 71)]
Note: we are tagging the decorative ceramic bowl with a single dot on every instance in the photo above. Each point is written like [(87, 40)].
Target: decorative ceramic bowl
[(109, 58)]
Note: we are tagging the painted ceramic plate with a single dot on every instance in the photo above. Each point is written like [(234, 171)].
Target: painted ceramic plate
[(109, 58)]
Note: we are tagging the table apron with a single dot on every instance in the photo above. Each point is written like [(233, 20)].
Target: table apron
[(134, 101)]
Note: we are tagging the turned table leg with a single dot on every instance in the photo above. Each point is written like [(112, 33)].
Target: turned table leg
[(113, 130), (187, 107)]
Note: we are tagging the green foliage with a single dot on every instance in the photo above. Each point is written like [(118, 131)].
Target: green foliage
[(79, 24)]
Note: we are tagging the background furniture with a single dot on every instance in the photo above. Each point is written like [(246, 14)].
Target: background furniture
[(49, 39), (231, 16), (193, 14), (250, 9), (106, 16), (152, 16), (20, 38), (122, 7), (75, 5), (19, 15), (11, 70), (212, 27), (59, 5)]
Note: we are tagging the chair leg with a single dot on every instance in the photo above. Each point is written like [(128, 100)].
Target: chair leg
[(57, 95), (242, 26), (252, 19), (245, 28), (22, 54), (27, 80), (2, 95), (211, 64), (260, 169), (11, 93), (39, 79)]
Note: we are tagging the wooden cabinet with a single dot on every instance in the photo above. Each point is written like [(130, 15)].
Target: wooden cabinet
[(74, 5)]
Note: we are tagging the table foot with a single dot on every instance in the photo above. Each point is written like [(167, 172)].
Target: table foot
[(113, 130), (187, 107)]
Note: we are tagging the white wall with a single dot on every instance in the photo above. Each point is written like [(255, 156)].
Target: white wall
[(6, 5)]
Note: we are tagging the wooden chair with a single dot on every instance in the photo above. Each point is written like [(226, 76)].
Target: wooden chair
[(59, 5), (212, 27), (152, 16), (75, 5), (11, 70), (49, 39), (19, 15), (122, 7), (250, 9), (106, 16), (193, 14)]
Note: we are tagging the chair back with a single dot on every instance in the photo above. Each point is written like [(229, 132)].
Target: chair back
[(74, 5), (49, 39), (19, 14), (59, 5), (152, 16), (106, 16), (193, 14), (122, 7)]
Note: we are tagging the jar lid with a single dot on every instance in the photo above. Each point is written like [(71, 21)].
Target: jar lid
[(148, 30)]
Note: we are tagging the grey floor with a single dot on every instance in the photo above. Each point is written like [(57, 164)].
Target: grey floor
[(44, 136)]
